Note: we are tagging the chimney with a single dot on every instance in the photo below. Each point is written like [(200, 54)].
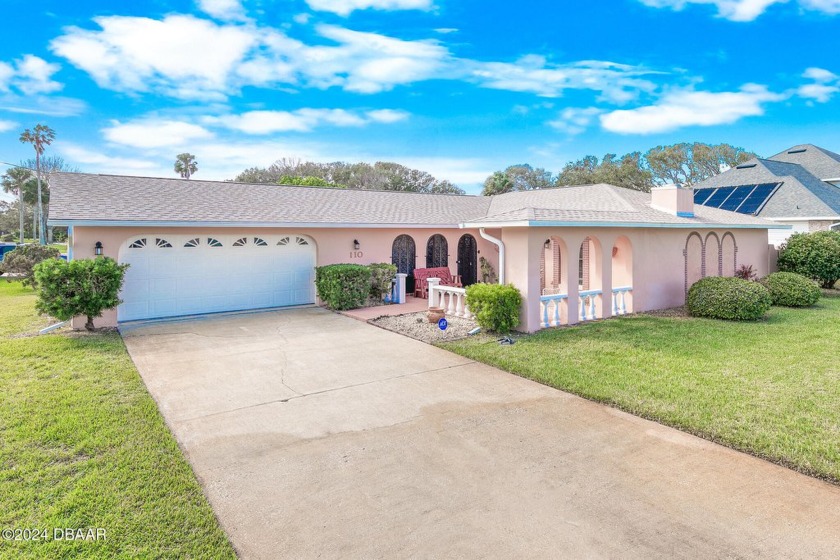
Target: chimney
[(678, 201)]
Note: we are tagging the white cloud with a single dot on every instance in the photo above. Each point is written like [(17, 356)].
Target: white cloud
[(97, 162), (183, 56), (225, 10), (687, 107), (746, 10), (616, 83), (346, 7), (302, 120), (823, 86), (573, 120), (34, 75), (387, 116), (302, 18), (155, 133), (6, 126), (446, 30), (54, 106), (369, 62)]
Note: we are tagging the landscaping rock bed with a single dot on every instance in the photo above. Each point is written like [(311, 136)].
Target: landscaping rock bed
[(415, 325)]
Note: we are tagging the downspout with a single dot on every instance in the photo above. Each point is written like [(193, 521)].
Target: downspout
[(498, 243)]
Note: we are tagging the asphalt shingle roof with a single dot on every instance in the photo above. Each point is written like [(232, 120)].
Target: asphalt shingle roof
[(79, 196), (106, 199), (801, 195), (823, 164)]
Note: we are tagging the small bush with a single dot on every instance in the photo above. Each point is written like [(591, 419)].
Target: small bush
[(496, 307), (791, 290), (746, 272), (84, 287), (733, 299), (381, 275), (343, 286), (22, 261), (813, 255)]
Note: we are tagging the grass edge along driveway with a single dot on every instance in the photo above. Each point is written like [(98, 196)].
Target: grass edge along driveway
[(83, 446), (770, 388)]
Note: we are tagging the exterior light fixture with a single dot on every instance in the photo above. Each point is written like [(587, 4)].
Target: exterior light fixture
[(547, 244), (97, 249), (356, 244)]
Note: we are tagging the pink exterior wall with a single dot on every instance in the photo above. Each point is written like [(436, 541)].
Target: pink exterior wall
[(334, 245), (654, 263)]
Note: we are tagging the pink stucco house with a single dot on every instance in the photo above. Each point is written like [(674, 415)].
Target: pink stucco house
[(576, 253)]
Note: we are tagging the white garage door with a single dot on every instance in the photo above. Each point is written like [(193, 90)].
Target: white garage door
[(172, 275)]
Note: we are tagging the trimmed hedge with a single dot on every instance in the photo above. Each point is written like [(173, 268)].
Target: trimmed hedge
[(733, 299), (791, 290), (813, 255), (496, 307), (343, 286), (381, 275)]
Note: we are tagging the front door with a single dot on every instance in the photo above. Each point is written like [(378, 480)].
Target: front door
[(404, 256), (437, 252), (468, 260)]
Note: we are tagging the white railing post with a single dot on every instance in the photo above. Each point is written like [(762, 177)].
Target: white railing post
[(400, 295), (550, 307), (433, 297), (622, 293)]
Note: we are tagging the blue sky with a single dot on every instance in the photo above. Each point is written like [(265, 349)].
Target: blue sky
[(459, 89)]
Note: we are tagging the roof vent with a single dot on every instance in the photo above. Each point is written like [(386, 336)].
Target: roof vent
[(746, 166), (798, 151)]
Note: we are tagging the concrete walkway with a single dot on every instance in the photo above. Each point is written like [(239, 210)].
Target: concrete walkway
[(319, 436)]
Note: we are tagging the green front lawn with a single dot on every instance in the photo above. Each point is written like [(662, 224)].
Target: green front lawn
[(82, 445), (770, 388)]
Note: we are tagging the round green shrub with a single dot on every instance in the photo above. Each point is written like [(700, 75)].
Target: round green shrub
[(813, 255), (343, 286), (791, 290), (496, 307), (381, 275), (733, 299), (22, 261)]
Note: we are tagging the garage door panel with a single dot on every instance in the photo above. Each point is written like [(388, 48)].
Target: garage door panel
[(179, 280)]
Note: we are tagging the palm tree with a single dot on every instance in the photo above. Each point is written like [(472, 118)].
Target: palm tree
[(39, 137), (14, 181), (185, 165)]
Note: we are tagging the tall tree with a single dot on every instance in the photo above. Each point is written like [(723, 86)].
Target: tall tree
[(626, 171), (686, 164), (382, 175), (520, 177), (185, 165), (40, 137), (49, 166), (15, 181)]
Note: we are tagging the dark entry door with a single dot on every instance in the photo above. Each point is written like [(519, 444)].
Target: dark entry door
[(404, 256), (468, 260), (437, 252)]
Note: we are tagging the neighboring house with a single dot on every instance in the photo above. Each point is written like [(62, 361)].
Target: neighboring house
[(799, 187), (574, 252)]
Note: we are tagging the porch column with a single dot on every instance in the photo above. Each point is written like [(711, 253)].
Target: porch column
[(401, 276), (607, 244)]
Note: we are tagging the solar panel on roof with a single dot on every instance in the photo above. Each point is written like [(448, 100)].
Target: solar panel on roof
[(701, 195), (719, 197), (737, 197), (758, 198)]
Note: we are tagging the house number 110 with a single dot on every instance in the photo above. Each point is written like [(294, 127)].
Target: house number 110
[(356, 254)]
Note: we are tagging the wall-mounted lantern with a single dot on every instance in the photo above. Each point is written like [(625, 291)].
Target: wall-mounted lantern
[(547, 244), (356, 244), (97, 249)]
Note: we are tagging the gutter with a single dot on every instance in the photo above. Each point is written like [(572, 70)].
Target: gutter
[(500, 244)]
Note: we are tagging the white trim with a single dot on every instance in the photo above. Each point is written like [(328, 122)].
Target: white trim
[(703, 225), (272, 225), (801, 219)]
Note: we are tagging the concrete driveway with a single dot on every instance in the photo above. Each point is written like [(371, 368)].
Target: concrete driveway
[(318, 436)]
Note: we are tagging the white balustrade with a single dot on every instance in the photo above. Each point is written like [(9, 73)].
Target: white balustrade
[(588, 310), (550, 309), (453, 300), (619, 299)]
